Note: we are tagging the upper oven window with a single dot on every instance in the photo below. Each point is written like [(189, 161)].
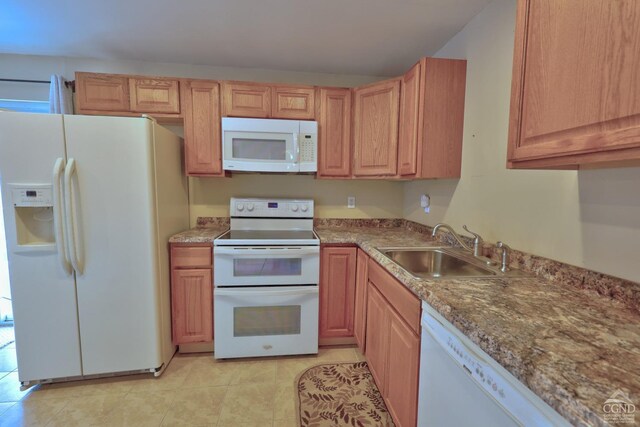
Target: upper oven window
[(244, 267)]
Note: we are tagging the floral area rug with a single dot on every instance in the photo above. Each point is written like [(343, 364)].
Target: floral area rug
[(340, 394)]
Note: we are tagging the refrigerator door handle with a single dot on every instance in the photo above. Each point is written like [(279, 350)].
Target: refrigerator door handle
[(58, 216), (74, 239)]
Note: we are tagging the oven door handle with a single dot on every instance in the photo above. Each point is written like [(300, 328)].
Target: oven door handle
[(265, 293), (221, 250)]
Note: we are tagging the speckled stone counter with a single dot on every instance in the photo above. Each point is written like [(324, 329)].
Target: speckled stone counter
[(574, 348), (199, 234)]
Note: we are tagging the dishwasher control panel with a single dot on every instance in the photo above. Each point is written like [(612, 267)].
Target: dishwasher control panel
[(496, 382)]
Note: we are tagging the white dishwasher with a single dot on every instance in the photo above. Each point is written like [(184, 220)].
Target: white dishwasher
[(460, 385)]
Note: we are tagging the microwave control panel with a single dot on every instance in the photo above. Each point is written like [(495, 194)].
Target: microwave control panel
[(307, 147)]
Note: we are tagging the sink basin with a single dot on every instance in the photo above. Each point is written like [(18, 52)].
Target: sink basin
[(436, 262)]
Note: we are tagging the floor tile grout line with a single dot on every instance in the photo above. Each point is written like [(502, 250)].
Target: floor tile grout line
[(222, 405)]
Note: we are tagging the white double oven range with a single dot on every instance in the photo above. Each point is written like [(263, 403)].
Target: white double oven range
[(266, 275)]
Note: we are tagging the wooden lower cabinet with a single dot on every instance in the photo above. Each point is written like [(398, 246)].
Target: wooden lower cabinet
[(191, 294), (337, 291), (403, 365), (192, 306), (377, 335), (393, 345), (360, 315)]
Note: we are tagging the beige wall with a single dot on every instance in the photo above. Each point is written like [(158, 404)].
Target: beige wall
[(379, 199), (41, 68), (585, 218)]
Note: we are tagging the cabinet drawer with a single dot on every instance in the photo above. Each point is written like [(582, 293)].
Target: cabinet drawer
[(154, 95), (402, 300), (191, 256)]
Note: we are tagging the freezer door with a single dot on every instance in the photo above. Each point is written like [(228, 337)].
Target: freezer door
[(43, 294), (113, 208)]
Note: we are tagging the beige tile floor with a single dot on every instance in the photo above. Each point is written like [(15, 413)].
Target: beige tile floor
[(195, 390)]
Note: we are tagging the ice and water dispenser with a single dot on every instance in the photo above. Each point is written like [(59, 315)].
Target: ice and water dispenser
[(33, 206)]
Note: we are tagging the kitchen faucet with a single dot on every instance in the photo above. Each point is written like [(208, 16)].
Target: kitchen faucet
[(505, 256), (477, 240)]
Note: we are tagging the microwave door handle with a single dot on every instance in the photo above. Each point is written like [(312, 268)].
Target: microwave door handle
[(296, 148)]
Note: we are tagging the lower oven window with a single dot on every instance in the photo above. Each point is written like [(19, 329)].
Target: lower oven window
[(267, 267), (266, 320)]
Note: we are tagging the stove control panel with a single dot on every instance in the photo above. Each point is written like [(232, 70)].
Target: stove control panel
[(271, 208)]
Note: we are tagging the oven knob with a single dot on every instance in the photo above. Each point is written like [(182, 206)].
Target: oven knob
[(294, 208), (250, 207), (240, 206), (304, 208)]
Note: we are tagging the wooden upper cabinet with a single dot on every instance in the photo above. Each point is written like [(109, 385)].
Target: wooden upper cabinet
[(202, 133), (297, 103), (432, 119), (375, 120), (102, 92), (409, 122), (441, 121), (154, 95), (337, 291), (575, 87), (334, 132), (246, 99)]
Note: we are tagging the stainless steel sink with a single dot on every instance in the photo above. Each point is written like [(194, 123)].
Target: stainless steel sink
[(437, 262)]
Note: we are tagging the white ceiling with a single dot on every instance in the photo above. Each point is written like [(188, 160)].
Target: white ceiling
[(369, 37)]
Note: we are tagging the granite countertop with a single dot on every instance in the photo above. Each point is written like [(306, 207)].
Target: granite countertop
[(199, 234), (571, 347)]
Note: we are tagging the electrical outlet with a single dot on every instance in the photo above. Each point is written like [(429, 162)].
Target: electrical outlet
[(425, 202), (351, 202)]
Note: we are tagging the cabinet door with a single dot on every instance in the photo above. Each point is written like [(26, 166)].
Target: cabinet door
[(409, 122), (154, 95), (102, 92), (574, 93), (377, 335), (403, 363), (376, 112), (360, 317), (246, 100), (192, 306), (334, 129), (337, 291), (293, 103), (202, 134)]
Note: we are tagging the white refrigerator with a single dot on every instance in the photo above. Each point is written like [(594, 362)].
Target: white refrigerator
[(89, 205)]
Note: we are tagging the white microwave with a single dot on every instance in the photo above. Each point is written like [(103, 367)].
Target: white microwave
[(269, 145)]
